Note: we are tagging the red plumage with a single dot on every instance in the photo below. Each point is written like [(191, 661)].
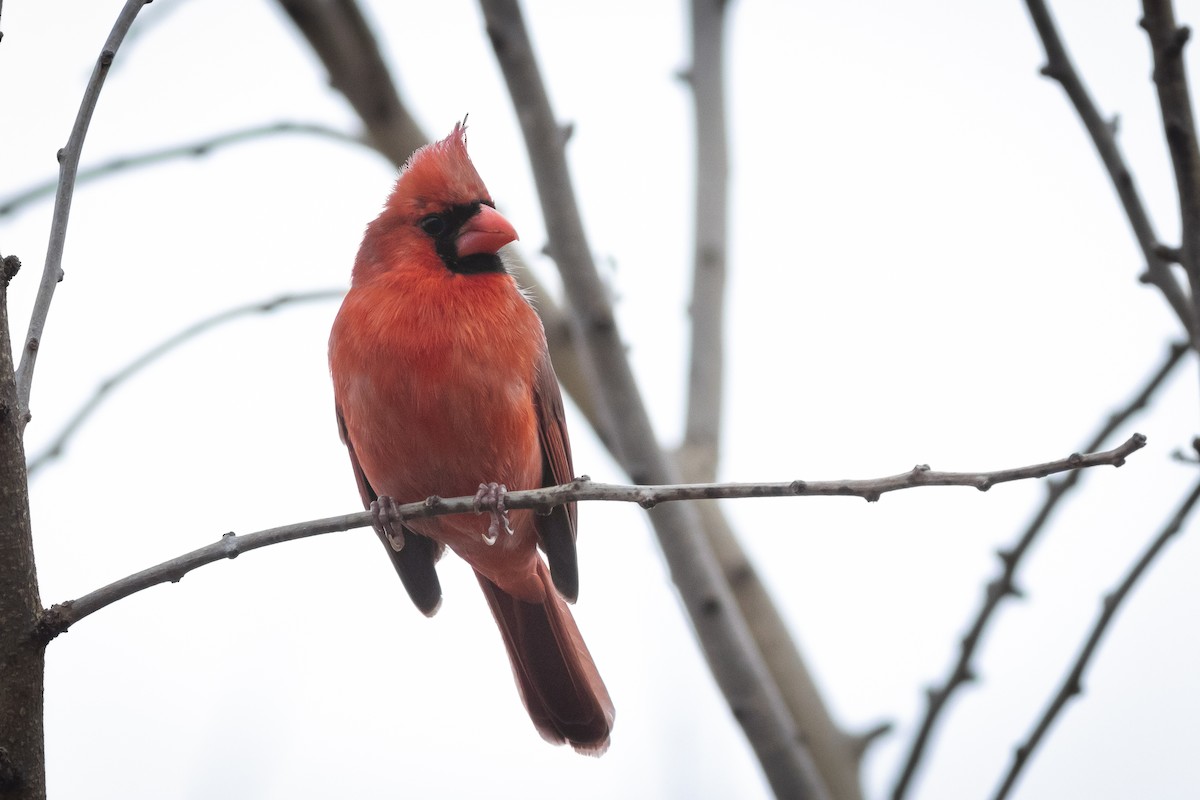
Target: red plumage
[(443, 382)]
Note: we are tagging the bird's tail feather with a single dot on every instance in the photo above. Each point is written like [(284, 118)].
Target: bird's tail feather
[(555, 674)]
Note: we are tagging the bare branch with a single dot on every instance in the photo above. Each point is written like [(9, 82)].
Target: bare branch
[(68, 166), (706, 380), (1158, 270), (836, 753), (343, 41), (1003, 585), (1072, 686), (63, 615), (201, 147), (1179, 125), (58, 445)]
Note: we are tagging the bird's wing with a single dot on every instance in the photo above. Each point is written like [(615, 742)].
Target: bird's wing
[(415, 562)]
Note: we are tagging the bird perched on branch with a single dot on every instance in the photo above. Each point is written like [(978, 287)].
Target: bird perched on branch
[(444, 386)]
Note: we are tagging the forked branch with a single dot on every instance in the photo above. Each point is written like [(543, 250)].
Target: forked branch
[(1179, 124), (1060, 68)]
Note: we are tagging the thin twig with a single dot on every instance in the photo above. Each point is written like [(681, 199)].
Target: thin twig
[(1072, 685), (198, 148), (68, 166), (63, 615), (1060, 68), (58, 445), (1003, 585), (720, 627)]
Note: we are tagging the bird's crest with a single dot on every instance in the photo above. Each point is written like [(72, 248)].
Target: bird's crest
[(438, 175)]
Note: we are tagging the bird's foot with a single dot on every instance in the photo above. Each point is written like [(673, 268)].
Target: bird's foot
[(490, 498), (383, 511)]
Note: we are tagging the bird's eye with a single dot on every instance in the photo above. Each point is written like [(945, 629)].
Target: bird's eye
[(433, 225)]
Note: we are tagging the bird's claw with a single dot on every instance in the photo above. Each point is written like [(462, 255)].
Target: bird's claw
[(383, 510), (490, 498)]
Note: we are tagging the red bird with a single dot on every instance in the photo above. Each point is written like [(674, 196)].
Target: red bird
[(444, 386)]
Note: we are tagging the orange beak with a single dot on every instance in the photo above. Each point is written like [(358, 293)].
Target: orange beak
[(486, 232)]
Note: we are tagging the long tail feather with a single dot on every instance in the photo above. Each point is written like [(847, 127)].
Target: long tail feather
[(555, 674)]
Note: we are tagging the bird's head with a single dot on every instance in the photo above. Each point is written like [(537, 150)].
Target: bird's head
[(439, 215)]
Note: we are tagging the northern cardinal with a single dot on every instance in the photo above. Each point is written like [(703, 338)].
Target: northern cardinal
[(444, 386)]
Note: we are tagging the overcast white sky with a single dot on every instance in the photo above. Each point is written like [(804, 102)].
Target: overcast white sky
[(928, 266)]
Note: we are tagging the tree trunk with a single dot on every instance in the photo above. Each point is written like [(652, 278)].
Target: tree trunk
[(22, 656)]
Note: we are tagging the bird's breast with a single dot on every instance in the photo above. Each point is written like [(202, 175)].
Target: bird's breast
[(435, 380)]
